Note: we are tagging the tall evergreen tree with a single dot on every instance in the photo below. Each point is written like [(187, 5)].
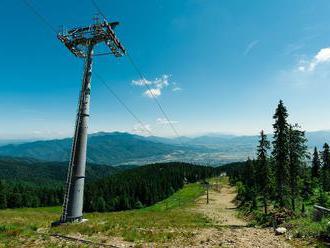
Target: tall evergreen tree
[(297, 154), (326, 167), (250, 182), (3, 195), (264, 173), (281, 153), (316, 164)]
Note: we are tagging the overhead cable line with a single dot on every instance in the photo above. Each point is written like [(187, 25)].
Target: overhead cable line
[(123, 104), (154, 97), (139, 72), (29, 4), (51, 27), (98, 9)]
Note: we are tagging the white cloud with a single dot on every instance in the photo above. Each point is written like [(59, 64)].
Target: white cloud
[(163, 121), (142, 129), (153, 93), (323, 56), (141, 82), (250, 46), (162, 82), (157, 85), (175, 87)]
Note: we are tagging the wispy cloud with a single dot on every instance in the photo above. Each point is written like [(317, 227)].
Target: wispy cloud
[(176, 87), (250, 46), (141, 129), (156, 86), (141, 82), (163, 121), (323, 56), (153, 93), (309, 71)]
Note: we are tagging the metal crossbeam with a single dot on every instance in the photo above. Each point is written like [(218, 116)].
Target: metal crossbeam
[(77, 39)]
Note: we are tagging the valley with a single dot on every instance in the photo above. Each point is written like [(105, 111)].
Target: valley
[(117, 148)]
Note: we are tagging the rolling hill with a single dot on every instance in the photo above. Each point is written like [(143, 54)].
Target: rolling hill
[(124, 148), (34, 171), (103, 148)]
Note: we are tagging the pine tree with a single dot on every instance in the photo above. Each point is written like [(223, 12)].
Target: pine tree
[(316, 165), (3, 195), (326, 167), (281, 153), (250, 182), (297, 154), (264, 173)]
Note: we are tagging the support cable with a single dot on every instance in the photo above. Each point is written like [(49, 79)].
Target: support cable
[(30, 5), (123, 103), (154, 97), (139, 72)]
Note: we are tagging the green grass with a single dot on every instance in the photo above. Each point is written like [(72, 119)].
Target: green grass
[(219, 180), (161, 222)]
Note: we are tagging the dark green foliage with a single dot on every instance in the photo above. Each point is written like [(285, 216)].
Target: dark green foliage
[(46, 172), (281, 153), (264, 177), (297, 155), (3, 195), (250, 182), (284, 176), (31, 183), (316, 165), (142, 186), (326, 167), (23, 194)]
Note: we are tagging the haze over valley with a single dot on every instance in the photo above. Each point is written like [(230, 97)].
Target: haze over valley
[(123, 148)]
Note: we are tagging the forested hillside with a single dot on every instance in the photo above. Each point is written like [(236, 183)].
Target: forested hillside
[(142, 186), (35, 171), (31, 183)]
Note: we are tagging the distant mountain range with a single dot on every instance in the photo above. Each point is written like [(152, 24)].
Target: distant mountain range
[(123, 148)]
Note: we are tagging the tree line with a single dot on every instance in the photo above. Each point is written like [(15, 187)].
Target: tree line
[(17, 194), (282, 174), (125, 189), (142, 186)]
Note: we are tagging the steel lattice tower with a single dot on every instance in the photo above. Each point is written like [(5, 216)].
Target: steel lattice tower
[(81, 42)]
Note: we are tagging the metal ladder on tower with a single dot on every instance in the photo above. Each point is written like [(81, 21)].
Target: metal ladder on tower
[(71, 163)]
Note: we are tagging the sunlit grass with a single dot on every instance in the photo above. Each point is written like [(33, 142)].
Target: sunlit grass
[(161, 222)]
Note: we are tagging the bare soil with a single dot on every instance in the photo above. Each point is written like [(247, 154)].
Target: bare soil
[(228, 230), (232, 231)]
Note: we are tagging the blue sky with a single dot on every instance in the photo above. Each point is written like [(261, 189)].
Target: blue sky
[(218, 66)]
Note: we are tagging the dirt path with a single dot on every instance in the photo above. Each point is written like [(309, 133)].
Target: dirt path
[(232, 231)]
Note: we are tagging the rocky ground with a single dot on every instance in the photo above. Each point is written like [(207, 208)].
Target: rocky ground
[(226, 229), (232, 231)]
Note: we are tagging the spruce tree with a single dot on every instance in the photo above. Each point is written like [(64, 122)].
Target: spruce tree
[(3, 195), (326, 167), (264, 173), (281, 153), (250, 182), (316, 165), (297, 154)]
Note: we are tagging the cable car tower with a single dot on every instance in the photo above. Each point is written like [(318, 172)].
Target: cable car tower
[(81, 42)]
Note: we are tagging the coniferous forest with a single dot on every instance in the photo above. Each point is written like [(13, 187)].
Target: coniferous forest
[(123, 189), (285, 175), (143, 186)]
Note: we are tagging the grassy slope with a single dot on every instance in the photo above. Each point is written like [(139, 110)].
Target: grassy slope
[(152, 224)]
